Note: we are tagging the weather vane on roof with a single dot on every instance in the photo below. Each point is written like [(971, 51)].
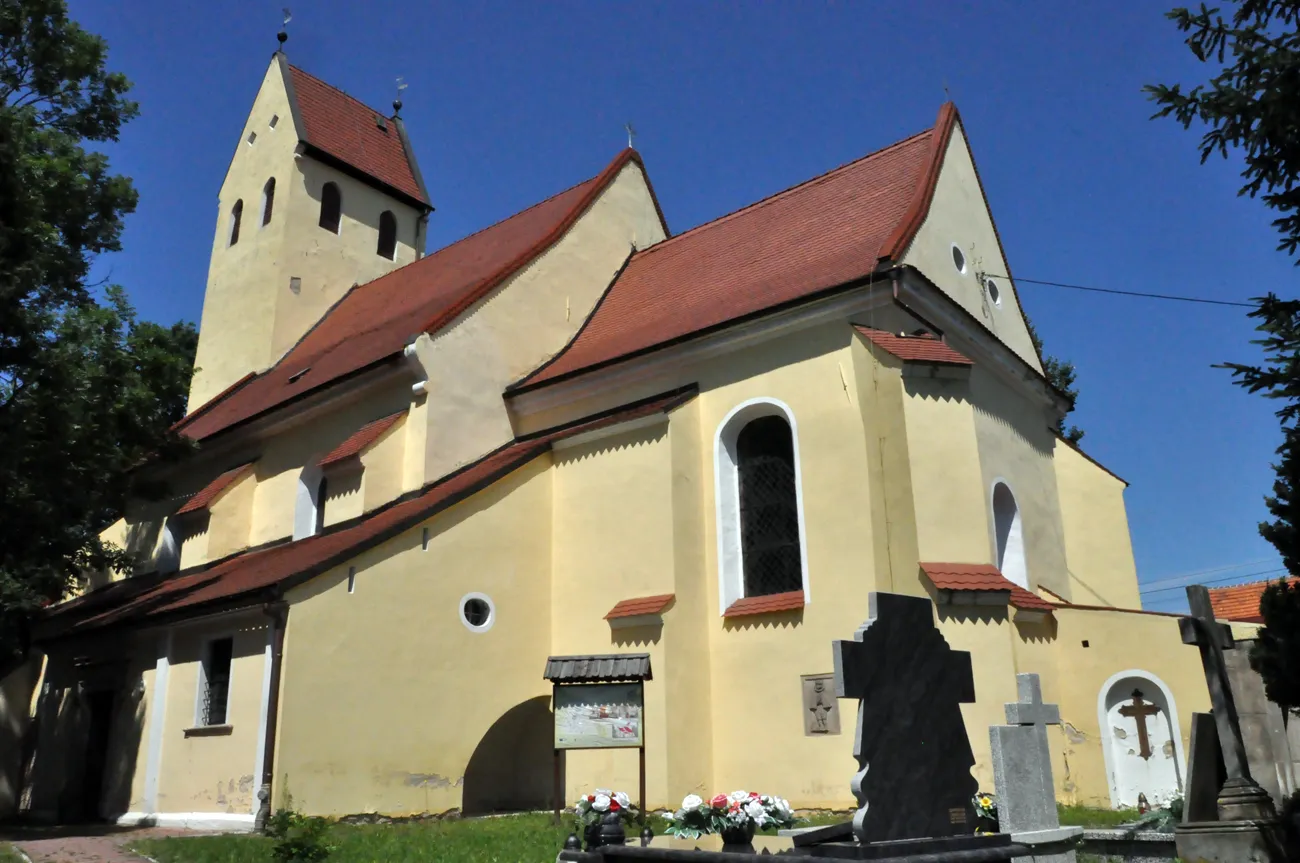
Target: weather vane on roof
[(631, 134), (397, 103), (283, 35)]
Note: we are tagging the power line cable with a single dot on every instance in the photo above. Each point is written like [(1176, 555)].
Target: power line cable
[(1181, 578), (1215, 581), (1142, 294)]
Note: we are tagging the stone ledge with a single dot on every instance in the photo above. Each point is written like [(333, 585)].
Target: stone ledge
[(1043, 837)]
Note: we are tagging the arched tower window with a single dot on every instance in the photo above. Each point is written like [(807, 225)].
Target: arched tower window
[(387, 235), (331, 206), (761, 547), (1009, 535), (168, 558), (309, 508), (268, 200), (236, 213)]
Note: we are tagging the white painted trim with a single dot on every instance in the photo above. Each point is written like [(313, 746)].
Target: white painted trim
[(260, 756), (157, 720), (223, 821), (965, 264), (1104, 725), (726, 497), (492, 612), (650, 421)]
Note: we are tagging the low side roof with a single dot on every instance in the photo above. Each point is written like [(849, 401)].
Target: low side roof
[(1240, 601), (830, 231), (375, 321), (260, 575)]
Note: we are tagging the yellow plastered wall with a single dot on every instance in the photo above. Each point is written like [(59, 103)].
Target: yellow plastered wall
[(1098, 550), (471, 362), (252, 313), (959, 216), (202, 773), (16, 692), (231, 517), (459, 712), (383, 466)]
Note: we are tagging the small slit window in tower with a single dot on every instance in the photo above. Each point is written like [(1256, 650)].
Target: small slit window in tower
[(268, 200), (331, 207), (387, 235), (236, 213), (252, 138), (352, 579), (769, 509), (275, 118)]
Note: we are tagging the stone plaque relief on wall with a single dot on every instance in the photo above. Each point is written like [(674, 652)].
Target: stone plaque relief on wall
[(821, 711)]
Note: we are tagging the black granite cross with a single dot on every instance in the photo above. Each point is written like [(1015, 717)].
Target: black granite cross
[(911, 742), (1140, 710), (1240, 797)]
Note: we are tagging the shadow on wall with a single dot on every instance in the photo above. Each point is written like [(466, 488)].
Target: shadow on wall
[(512, 768), (15, 700)]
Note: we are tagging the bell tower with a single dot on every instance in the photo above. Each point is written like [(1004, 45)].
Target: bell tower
[(322, 193)]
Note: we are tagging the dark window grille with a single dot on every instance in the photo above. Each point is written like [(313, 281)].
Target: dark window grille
[(331, 206), (387, 235), (216, 678), (769, 511)]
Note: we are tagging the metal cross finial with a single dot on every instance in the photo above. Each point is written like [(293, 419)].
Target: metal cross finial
[(631, 134), (283, 35), (397, 103)]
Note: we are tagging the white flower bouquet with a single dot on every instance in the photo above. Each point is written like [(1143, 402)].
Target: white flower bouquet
[(742, 811), (593, 807)]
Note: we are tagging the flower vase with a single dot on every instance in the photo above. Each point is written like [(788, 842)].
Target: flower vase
[(739, 840), (611, 830), (591, 835)]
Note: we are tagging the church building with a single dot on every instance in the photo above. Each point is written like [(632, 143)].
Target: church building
[(420, 475)]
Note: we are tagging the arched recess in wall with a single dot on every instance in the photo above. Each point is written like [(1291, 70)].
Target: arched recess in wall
[(268, 201), (1009, 535), (236, 216), (387, 247), (331, 207), (1140, 760), (168, 559), (758, 484), (309, 508)]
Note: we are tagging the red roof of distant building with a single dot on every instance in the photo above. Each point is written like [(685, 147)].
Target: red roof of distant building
[(828, 232), (248, 578), (360, 440), (348, 130), (922, 348), (982, 576), (641, 605), (206, 496), (375, 321), (765, 604), (1241, 601)]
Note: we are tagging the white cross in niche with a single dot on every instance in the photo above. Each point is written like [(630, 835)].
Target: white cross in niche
[(1030, 709)]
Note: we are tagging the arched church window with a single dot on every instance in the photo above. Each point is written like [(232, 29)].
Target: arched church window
[(387, 235), (236, 213), (268, 200), (769, 509), (168, 559), (1009, 535), (331, 207), (309, 508)]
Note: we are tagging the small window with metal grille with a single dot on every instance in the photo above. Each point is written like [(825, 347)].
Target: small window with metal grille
[(769, 508), (214, 683)]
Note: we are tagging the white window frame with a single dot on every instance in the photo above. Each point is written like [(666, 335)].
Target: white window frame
[(201, 683), (492, 612), (1017, 571), (726, 495)]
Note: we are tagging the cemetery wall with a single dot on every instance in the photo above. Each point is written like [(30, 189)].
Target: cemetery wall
[(1098, 550), (389, 703)]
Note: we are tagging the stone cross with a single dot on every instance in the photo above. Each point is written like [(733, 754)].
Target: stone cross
[(1240, 798), (1140, 710), (911, 745)]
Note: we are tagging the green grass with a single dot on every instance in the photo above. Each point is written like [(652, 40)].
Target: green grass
[(8, 854), (1085, 816)]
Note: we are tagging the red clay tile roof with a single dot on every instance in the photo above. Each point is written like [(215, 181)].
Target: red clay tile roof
[(360, 440), (1241, 601), (982, 576), (765, 604), (641, 605), (206, 496), (255, 576), (375, 321), (828, 232), (925, 348), (346, 129)]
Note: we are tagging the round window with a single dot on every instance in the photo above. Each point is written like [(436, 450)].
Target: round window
[(994, 295), (958, 259), (476, 612)]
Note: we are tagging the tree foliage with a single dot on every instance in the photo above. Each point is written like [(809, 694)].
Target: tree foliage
[(1060, 374), (1251, 106), (87, 392)]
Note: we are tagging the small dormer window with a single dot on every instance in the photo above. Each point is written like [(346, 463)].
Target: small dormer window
[(236, 213), (268, 200), (331, 208), (387, 235)]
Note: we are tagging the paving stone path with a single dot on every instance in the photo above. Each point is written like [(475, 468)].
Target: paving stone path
[(82, 845)]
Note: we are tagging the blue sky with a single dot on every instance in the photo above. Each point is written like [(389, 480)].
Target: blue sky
[(510, 102)]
